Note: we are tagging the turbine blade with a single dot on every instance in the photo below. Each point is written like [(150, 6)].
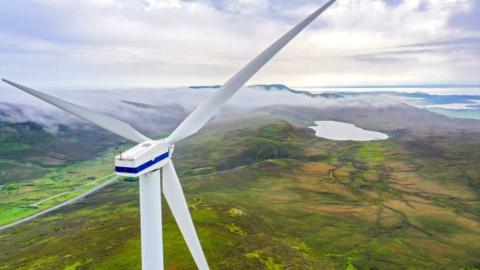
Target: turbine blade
[(198, 118), (176, 200), (111, 124)]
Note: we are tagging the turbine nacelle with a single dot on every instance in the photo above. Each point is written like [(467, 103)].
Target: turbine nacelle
[(143, 158)]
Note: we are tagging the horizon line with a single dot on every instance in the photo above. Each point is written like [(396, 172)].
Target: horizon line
[(474, 85)]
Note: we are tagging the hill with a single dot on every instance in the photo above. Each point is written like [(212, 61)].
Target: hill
[(265, 193)]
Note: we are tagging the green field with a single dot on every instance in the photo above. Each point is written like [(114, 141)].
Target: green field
[(20, 199)]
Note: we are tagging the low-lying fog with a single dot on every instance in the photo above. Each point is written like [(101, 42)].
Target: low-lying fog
[(171, 105)]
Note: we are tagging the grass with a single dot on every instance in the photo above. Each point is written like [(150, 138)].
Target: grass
[(371, 151), (16, 147), (22, 199), (373, 205)]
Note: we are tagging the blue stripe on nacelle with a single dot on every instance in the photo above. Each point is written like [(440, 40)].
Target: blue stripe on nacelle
[(143, 166)]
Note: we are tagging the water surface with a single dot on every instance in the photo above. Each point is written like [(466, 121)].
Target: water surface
[(340, 131)]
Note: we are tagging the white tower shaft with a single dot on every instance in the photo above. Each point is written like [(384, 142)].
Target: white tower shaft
[(151, 221)]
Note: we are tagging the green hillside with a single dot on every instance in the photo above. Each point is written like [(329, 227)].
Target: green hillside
[(27, 150), (266, 194), (39, 169)]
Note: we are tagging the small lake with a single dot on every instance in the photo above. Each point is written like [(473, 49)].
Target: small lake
[(339, 131)]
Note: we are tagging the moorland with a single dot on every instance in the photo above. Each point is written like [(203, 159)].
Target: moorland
[(265, 193)]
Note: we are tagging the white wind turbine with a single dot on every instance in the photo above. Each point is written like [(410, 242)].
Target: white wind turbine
[(151, 159)]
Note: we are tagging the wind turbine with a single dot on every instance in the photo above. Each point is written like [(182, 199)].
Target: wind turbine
[(150, 160)]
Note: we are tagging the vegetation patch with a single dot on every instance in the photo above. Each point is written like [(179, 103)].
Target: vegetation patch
[(236, 212), (371, 151)]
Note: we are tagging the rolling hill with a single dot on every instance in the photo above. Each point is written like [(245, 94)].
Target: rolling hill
[(265, 193)]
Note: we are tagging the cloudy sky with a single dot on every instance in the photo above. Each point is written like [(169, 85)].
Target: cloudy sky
[(151, 43)]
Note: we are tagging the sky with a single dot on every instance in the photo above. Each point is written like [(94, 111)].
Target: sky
[(157, 43)]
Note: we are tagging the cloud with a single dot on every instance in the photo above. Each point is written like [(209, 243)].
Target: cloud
[(85, 4), (245, 6), (468, 19), (158, 4), (127, 43)]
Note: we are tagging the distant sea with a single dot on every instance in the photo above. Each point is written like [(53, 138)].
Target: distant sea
[(453, 90), (453, 102)]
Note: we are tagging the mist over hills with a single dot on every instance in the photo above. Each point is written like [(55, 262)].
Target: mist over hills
[(175, 103), (157, 111), (160, 110)]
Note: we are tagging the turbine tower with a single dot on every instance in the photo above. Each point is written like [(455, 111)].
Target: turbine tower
[(150, 160)]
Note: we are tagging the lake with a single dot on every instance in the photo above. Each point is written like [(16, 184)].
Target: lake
[(340, 131)]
